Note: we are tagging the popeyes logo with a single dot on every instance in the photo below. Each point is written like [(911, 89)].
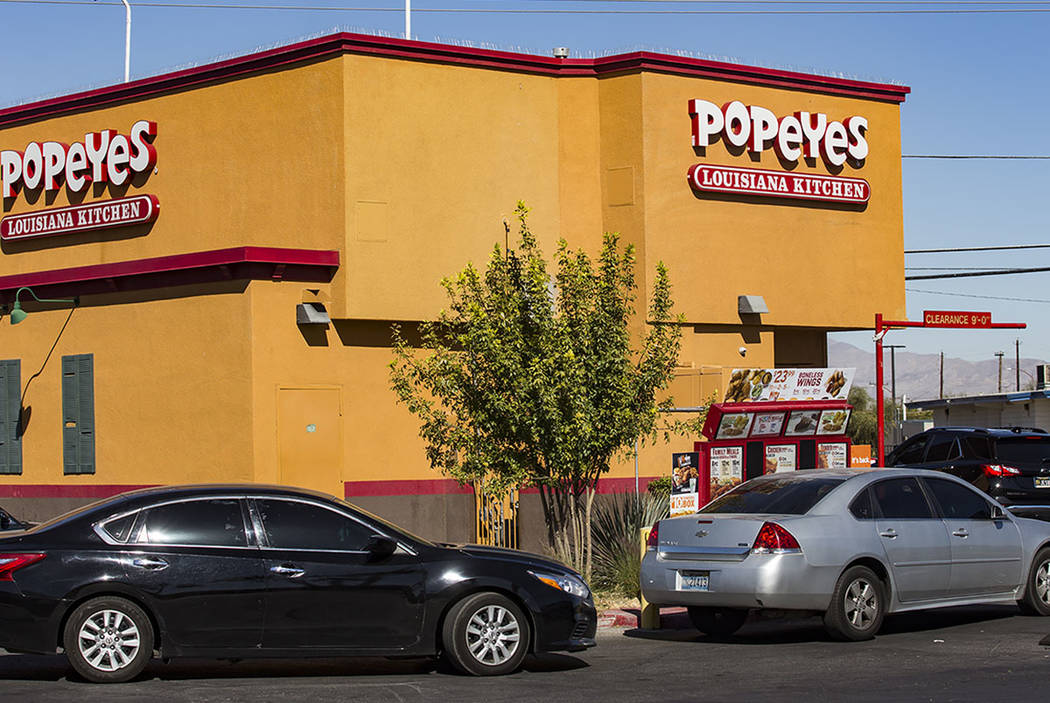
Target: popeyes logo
[(792, 137), (105, 157), (809, 133)]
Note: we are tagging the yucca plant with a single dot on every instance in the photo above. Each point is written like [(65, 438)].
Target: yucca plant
[(615, 526)]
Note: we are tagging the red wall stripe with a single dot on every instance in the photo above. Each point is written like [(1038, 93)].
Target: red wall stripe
[(64, 491), (449, 486)]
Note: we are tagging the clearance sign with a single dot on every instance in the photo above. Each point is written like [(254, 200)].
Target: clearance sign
[(799, 135), (105, 158)]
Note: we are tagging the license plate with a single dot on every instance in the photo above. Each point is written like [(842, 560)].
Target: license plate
[(692, 581), (1041, 482)]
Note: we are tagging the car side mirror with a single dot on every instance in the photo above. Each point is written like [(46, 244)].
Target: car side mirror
[(998, 513), (380, 547)]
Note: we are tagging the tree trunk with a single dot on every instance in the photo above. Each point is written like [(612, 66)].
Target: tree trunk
[(588, 551)]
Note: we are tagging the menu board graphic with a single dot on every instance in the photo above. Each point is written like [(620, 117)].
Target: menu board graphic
[(727, 469), (833, 421), (767, 424), (802, 423), (685, 495), (781, 457), (832, 455), (755, 385), (734, 425)]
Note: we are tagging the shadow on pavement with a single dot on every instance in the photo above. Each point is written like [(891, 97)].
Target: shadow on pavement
[(35, 667), (797, 629)]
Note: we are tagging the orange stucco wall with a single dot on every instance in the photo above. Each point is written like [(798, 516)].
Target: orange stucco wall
[(409, 170)]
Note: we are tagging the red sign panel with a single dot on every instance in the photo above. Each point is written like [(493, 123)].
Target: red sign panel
[(80, 218), (956, 318), (778, 184)]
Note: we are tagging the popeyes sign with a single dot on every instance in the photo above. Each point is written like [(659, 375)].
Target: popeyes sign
[(810, 135), (105, 157)]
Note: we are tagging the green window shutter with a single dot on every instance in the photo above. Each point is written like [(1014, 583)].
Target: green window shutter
[(78, 414), (10, 411)]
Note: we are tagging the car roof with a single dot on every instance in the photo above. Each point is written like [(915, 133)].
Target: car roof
[(880, 471), (990, 431)]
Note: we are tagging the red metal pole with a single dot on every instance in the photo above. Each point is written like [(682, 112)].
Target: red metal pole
[(879, 400)]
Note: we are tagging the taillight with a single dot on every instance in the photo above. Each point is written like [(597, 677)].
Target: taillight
[(1000, 470), (774, 538), (653, 540), (10, 563)]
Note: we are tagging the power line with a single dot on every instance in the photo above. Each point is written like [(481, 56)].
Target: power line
[(500, 11), (972, 156), (972, 295), (950, 268), (971, 274), (953, 250)]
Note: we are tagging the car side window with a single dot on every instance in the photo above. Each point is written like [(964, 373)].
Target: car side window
[(861, 506), (5, 520), (943, 447), (296, 525), (975, 447), (910, 452), (216, 522), (119, 529), (959, 502), (901, 498)]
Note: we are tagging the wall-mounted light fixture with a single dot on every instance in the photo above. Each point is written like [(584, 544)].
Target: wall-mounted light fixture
[(18, 314), (751, 305)]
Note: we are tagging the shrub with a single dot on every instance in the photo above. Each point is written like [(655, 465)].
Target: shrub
[(615, 526)]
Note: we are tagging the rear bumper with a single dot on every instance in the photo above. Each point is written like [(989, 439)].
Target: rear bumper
[(26, 624), (778, 581)]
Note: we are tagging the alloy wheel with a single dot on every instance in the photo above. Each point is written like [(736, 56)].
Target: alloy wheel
[(1042, 582), (493, 635), (108, 640), (861, 604)]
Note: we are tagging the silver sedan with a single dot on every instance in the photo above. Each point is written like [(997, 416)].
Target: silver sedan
[(851, 544)]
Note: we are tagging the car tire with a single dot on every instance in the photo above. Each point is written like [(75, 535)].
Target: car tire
[(108, 639), (719, 622), (485, 634), (858, 605), (1036, 599)]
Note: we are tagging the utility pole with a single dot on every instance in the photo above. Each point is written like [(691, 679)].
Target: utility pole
[(942, 376), (893, 390), (1017, 361), (1000, 355)]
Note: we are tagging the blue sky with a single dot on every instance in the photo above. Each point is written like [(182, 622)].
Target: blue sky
[(979, 86)]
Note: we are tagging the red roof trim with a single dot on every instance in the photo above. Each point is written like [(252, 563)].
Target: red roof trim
[(345, 43), (180, 269)]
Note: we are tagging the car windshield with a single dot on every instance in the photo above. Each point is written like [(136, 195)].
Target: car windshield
[(1023, 450), (781, 496)]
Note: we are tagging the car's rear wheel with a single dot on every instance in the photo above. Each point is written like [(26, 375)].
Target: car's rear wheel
[(720, 622), (858, 605), (1036, 599), (108, 639), (486, 634)]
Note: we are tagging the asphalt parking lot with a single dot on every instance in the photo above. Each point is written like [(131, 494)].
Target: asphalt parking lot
[(958, 654)]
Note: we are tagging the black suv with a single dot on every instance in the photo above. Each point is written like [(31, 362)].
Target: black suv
[(1011, 464)]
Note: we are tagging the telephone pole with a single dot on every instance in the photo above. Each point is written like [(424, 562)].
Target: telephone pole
[(1000, 355), (942, 376), (1017, 361)]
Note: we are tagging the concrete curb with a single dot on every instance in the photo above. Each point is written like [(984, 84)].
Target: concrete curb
[(670, 619)]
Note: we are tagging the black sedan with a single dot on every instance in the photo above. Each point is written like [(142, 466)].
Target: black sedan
[(231, 571), (8, 523)]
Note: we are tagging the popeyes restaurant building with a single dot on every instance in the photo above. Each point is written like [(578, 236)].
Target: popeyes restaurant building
[(239, 238)]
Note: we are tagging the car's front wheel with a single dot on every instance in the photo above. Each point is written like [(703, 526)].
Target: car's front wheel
[(1036, 599), (857, 605), (108, 639), (486, 634), (720, 622)]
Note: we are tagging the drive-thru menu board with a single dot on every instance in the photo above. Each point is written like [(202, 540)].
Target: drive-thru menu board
[(773, 420)]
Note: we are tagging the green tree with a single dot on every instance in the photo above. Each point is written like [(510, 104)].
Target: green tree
[(531, 380)]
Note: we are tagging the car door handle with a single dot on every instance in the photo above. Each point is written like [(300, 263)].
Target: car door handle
[(289, 571), (890, 533), (961, 533), (150, 564)]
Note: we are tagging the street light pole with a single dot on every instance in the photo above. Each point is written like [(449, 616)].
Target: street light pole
[(893, 389), (127, 40), (1000, 355)]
